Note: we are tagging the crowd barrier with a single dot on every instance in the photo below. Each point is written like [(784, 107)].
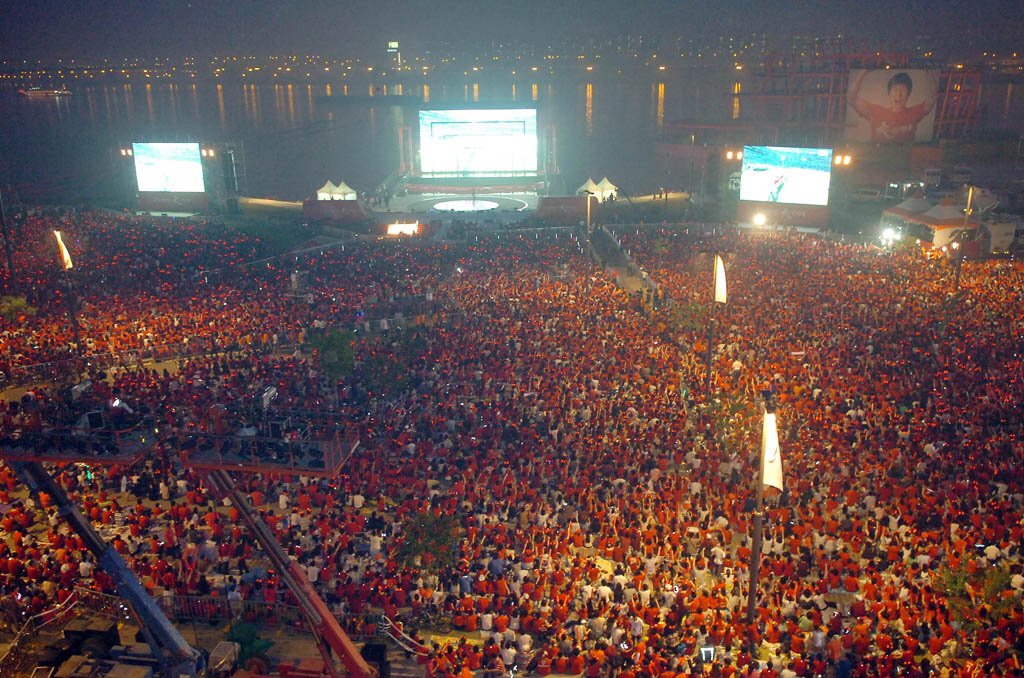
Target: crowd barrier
[(59, 371), (16, 660), (183, 609), (186, 609)]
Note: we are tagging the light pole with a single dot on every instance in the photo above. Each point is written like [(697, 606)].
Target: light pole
[(958, 250), (718, 296), (769, 472), (590, 196), (8, 246), (67, 265)]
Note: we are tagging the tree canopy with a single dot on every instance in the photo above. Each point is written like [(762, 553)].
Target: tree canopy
[(336, 351), (429, 537)]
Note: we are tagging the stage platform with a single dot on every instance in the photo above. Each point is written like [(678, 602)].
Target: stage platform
[(79, 446), (309, 457), (455, 205), (169, 215)]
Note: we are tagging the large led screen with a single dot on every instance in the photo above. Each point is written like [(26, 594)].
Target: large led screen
[(797, 176), (468, 142), (891, 105), (168, 168)]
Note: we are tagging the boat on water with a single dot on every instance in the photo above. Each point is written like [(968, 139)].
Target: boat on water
[(40, 93)]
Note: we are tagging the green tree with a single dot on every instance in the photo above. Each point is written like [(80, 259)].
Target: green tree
[(336, 352), (689, 317), (965, 592), (429, 538), (13, 307), (386, 363), (252, 648)]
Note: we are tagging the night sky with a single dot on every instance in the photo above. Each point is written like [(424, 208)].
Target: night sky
[(91, 29)]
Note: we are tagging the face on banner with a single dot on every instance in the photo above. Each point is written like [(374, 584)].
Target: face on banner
[(891, 105)]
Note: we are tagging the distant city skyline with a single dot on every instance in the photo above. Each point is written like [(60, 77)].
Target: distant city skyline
[(97, 29)]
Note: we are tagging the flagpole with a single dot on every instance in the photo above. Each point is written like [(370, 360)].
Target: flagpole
[(958, 246), (758, 528), (72, 301), (718, 296), (8, 246), (711, 340)]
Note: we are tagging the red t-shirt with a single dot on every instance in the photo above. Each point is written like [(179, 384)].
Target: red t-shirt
[(889, 125)]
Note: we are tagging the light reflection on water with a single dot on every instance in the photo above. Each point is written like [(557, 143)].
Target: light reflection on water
[(292, 143)]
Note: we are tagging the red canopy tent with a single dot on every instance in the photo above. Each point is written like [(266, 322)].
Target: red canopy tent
[(944, 223)]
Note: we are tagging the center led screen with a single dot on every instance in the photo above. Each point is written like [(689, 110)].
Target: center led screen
[(797, 176), (479, 142), (168, 167)]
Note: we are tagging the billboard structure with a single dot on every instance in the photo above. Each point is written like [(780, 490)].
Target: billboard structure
[(170, 176), (784, 185), (802, 98), (478, 142), (891, 105), (795, 176), (168, 167)]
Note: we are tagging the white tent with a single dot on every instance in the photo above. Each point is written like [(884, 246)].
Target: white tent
[(589, 187), (943, 214), (942, 224), (326, 192), (606, 190), (344, 192), (915, 204)]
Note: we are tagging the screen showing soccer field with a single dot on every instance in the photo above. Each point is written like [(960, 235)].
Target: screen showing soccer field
[(797, 176), (168, 167), (468, 142)]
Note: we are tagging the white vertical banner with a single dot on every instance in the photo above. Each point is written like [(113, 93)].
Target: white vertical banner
[(720, 292), (65, 256), (771, 456)]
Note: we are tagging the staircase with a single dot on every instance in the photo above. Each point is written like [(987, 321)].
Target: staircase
[(401, 667), (611, 257)]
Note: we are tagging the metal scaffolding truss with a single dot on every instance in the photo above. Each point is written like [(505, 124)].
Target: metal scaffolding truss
[(802, 98)]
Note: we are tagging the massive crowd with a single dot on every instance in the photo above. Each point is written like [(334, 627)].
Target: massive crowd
[(603, 499)]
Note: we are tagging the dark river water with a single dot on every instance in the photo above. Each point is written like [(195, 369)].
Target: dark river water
[(291, 139)]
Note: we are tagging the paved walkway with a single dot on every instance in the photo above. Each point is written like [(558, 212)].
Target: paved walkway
[(609, 255)]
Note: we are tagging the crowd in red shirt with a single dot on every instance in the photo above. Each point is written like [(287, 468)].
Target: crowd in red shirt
[(604, 499)]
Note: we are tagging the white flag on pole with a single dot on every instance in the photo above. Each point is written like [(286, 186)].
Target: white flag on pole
[(720, 289), (65, 256), (771, 456)]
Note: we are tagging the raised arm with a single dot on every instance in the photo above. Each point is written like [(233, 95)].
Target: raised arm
[(929, 104), (853, 97)]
